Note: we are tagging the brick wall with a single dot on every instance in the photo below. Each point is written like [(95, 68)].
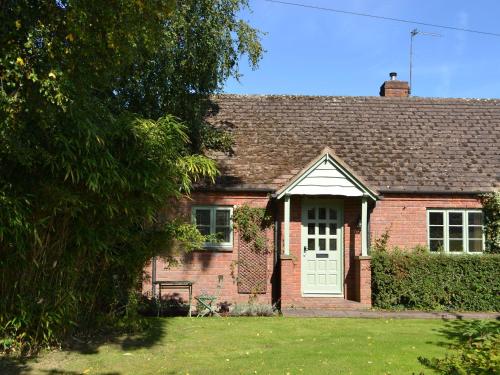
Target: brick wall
[(204, 266), (405, 216), (291, 294)]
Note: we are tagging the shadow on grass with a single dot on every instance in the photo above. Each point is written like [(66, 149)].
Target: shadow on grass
[(154, 332), (13, 366), (60, 372), (458, 334)]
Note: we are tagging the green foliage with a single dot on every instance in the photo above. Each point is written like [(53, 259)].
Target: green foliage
[(100, 111), (381, 243), (491, 209), (251, 223), (423, 281), (475, 350), (252, 309), (204, 41)]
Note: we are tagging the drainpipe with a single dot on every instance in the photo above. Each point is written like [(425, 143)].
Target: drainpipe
[(153, 277), (276, 232)]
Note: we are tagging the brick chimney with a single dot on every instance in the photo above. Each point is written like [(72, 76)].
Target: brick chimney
[(394, 87)]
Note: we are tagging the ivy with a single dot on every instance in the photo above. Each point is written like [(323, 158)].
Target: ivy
[(491, 208), (251, 223)]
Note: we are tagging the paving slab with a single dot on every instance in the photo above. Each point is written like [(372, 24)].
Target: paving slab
[(377, 314)]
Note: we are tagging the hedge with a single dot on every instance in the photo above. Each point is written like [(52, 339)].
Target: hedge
[(423, 281)]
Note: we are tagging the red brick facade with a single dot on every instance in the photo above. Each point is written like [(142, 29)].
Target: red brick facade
[(403, 216), (203, 267)]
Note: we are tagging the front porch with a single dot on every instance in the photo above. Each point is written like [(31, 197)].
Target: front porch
[(324, 261), (351, 288)]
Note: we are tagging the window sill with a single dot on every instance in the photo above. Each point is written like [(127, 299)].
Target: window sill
[(216, 249)]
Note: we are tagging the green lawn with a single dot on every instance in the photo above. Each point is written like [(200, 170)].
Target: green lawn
[(258, 346)]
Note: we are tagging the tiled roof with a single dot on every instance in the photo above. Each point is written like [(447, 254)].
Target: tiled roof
[(394, 144)]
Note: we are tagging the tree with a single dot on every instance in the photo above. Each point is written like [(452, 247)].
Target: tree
[(101, 123)]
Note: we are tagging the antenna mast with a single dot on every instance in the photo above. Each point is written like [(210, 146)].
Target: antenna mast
[(413, 34)]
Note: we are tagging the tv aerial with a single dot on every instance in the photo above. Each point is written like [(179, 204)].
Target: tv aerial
[(413, 34)]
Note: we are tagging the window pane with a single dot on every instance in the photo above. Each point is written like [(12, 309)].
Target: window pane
[(322, 213), (456, 246), (435, 232), (203, 230), (322, 244), (475, 218), (436, 245), (476, 232), (222, 217), (223, 234), (333, 244), (455, 232), (333, 214), (436, 218), (321, 228), (333, 229), (202, 217), (310, 228), (455, 218), (310, 243), (475, 246), (311, 214)]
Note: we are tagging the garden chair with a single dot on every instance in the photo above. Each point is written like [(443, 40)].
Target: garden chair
[(207, 304)]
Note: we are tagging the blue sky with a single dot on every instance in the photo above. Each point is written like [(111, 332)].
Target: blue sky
[(322, 53)]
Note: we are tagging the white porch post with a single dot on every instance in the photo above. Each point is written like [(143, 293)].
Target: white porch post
[(364, 226), (287, 225)]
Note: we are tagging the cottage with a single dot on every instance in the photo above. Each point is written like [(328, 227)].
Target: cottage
[(335, 173)]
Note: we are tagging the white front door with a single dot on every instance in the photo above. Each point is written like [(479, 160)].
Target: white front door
[(322, 248)]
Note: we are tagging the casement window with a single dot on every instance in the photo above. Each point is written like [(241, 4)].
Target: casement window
[(216, 221), (455, 231)]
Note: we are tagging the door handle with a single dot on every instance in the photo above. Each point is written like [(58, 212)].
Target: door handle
[(305, 249)]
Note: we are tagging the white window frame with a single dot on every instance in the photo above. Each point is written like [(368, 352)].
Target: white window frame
[(213, 209), (465, 226)]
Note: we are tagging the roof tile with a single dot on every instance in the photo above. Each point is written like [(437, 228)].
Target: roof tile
[(394, 144)]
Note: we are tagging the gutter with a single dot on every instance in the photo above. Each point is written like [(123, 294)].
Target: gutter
[(433, 192), (238, 189)]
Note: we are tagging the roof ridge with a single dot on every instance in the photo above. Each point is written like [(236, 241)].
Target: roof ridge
[(363, 97)]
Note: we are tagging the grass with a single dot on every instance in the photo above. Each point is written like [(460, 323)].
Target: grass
[(256, 346)]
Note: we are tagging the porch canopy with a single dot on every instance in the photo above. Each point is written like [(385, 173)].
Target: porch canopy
[(327, 175)]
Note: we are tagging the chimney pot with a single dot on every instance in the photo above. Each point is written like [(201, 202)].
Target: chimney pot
[(393, 75)]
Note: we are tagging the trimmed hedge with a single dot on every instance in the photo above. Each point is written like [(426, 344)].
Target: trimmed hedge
[(423, 281)]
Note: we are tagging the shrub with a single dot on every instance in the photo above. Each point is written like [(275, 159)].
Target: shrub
[(475, 349), (252, 309), (419, 280)]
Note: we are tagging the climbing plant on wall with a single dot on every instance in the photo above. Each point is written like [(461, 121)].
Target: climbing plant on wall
[(491, 208), (251, 223)]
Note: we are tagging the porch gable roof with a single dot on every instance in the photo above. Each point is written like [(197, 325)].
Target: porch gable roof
[(337, 178)]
